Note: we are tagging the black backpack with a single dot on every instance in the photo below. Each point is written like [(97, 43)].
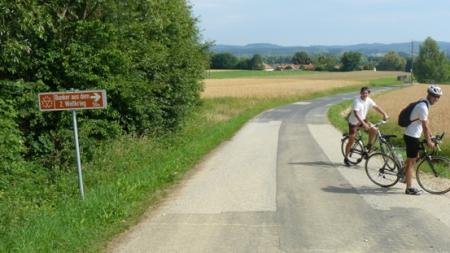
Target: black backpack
[(405, 115)]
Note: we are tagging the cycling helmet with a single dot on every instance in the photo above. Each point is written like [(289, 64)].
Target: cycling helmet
[(435, 90)]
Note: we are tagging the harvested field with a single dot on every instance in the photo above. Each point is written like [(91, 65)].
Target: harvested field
[(289, 85), (251, 87), (394, 101)]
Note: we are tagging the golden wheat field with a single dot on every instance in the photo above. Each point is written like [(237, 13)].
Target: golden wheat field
[(394, 101), (289, 85)]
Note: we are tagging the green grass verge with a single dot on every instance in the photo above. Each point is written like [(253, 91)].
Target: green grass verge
[(337, 113), (128, 175), (384, 81)]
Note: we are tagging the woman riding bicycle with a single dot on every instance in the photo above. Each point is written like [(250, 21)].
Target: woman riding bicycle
[(357, 119)]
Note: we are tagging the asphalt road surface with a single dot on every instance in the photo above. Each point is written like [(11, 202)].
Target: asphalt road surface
[(279, 185)]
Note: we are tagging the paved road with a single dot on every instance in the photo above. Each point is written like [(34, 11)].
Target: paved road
[(279, 186)]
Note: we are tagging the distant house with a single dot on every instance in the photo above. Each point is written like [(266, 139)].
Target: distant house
[(308, 66), (287, 67), (268, 67)]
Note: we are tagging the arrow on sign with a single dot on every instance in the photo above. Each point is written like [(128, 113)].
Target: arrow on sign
[(96, 97)]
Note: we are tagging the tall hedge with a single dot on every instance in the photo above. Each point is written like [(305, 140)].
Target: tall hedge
[(11, 143), (146, 54)]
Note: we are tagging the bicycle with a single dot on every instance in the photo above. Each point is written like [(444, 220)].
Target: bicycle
[(382, 167), (358, 151), (432, 171)]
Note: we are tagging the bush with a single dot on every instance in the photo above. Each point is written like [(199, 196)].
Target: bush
[(11, 143), (146, 55)]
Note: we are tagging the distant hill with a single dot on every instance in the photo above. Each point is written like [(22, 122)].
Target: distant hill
[(372, 49)]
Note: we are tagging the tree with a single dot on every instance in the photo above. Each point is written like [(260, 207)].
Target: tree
[(431, 64), (301, 58), (277, 59), (325, 62), (256, 62), (366, 63), (351, 61), (244, 63), (392, 61), (408, 65), (224, 61)]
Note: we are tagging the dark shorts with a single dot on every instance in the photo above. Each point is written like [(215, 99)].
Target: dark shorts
[(353, 128), (412, 146)]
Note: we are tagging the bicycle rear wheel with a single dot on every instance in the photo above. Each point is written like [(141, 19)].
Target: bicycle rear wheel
[(356, 153), (382, 170), (344, 141), (433, 174)]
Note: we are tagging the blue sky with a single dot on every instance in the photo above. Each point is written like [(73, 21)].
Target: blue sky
[(321, 22)]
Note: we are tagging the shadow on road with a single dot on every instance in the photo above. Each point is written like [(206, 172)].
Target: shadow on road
[(365, 190), (362, 190), (326, 164)]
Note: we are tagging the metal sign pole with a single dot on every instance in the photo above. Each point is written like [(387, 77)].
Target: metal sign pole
[(71, 101), (77, 149)]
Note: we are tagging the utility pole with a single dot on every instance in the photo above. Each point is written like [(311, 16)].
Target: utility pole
[(412, 61)]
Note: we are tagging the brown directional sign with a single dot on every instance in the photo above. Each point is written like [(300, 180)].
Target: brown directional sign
[(68, 100)]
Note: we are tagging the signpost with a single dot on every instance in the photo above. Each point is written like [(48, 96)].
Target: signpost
[(76, 100), (71, 101)]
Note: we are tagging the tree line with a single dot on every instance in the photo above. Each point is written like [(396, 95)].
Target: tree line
[(431, 64)]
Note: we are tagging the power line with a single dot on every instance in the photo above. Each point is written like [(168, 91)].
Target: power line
[(412, 62)]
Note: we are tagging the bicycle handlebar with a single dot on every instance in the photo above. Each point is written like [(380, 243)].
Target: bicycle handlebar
[(379, 123), (437, 139)]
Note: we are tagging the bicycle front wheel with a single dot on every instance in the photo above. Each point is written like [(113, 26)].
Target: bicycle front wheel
[(433, 174), (344, 142), (382, 170), (356, 153)]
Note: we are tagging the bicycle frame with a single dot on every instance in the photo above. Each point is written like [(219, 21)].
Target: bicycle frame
[(388, 149), (425, 156), (361, 150), (382, 139)]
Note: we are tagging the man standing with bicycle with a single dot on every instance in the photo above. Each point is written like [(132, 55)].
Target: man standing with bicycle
[(419, 123), (357, 119)]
